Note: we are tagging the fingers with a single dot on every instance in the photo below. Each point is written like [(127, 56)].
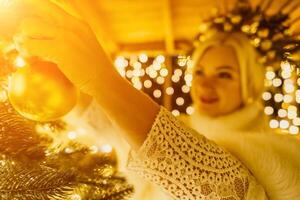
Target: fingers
[(37, 38), (37, 31), (52, 13), (12, 15), (37, 28), (43, 48), (46, 10), (69, 7)]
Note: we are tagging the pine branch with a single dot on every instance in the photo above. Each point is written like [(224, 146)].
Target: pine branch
[(96, 192), (79, 158), (18, 181), (95, 172), (49, 176), (18, 137)]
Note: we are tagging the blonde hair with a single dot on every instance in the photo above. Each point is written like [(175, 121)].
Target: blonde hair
[(251, 72)]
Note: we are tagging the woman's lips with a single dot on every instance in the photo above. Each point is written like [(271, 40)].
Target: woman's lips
[(208, 100)]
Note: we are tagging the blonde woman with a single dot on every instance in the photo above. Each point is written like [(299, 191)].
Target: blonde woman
[(179, 159), (226, 93)]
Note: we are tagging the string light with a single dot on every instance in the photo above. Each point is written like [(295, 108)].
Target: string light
[(106, 148), (69, 150), (286, 74), (292, 114), (121, 62), (190, 64), (182, 60), (267, 83), (282, 113), (72, 135), (170, 91), (190, 110), (292, 108), (277, 82), (284, 124), (94, 149), (20, 62), (160, 59), (294, 130), (178, 72), (147, 84), (160, 80), (269, 110), (287, 98), (175, 112), (153, 74), (163, 72), (138, 85), (289, 88), (298, 81), (278, 97), (175, 79), (266, 96), (274, 123), (129, 74), (188, 79), (156, 65), (270, 75), (137, 65), (157, 93), (180, 101), (185, 89), (76, 197), (296, 121), (133, 59), (143, 58), (298, 96), (286, 66)]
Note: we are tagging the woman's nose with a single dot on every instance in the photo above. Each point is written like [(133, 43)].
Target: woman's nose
[(207, 82)]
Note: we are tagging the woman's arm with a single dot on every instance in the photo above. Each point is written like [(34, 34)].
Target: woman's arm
[(132, 110), (59, 37)]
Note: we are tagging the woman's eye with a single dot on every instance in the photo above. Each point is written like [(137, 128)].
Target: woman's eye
[(225, 75), (199, 72)]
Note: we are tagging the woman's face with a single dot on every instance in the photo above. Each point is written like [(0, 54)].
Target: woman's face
[(216, 87)]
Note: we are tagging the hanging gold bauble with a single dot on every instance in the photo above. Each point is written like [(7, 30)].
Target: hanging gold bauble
[(39, 91)]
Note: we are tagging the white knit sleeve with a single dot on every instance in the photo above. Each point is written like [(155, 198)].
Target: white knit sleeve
[(188, 166)]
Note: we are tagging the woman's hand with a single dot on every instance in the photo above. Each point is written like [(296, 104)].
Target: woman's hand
[(52, 34)]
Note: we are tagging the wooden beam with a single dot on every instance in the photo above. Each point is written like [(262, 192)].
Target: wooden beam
[(168, 27), (181, 46)]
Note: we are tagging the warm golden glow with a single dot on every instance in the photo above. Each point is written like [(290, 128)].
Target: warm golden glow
[(106, 148), (5, 3), (20, 62), (274, 123), (143, 58), (72, 135)]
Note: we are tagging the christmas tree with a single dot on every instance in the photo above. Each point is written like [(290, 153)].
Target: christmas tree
[(33, 165)]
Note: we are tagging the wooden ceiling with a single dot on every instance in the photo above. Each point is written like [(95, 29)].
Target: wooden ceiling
[(154, 25)]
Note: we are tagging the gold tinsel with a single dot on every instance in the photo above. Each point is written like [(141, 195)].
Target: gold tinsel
[(30, 168)]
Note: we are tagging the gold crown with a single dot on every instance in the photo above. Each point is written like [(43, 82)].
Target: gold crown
[(271, 35)]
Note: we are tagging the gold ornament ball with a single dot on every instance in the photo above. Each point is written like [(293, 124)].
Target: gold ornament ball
[(39, 91)]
